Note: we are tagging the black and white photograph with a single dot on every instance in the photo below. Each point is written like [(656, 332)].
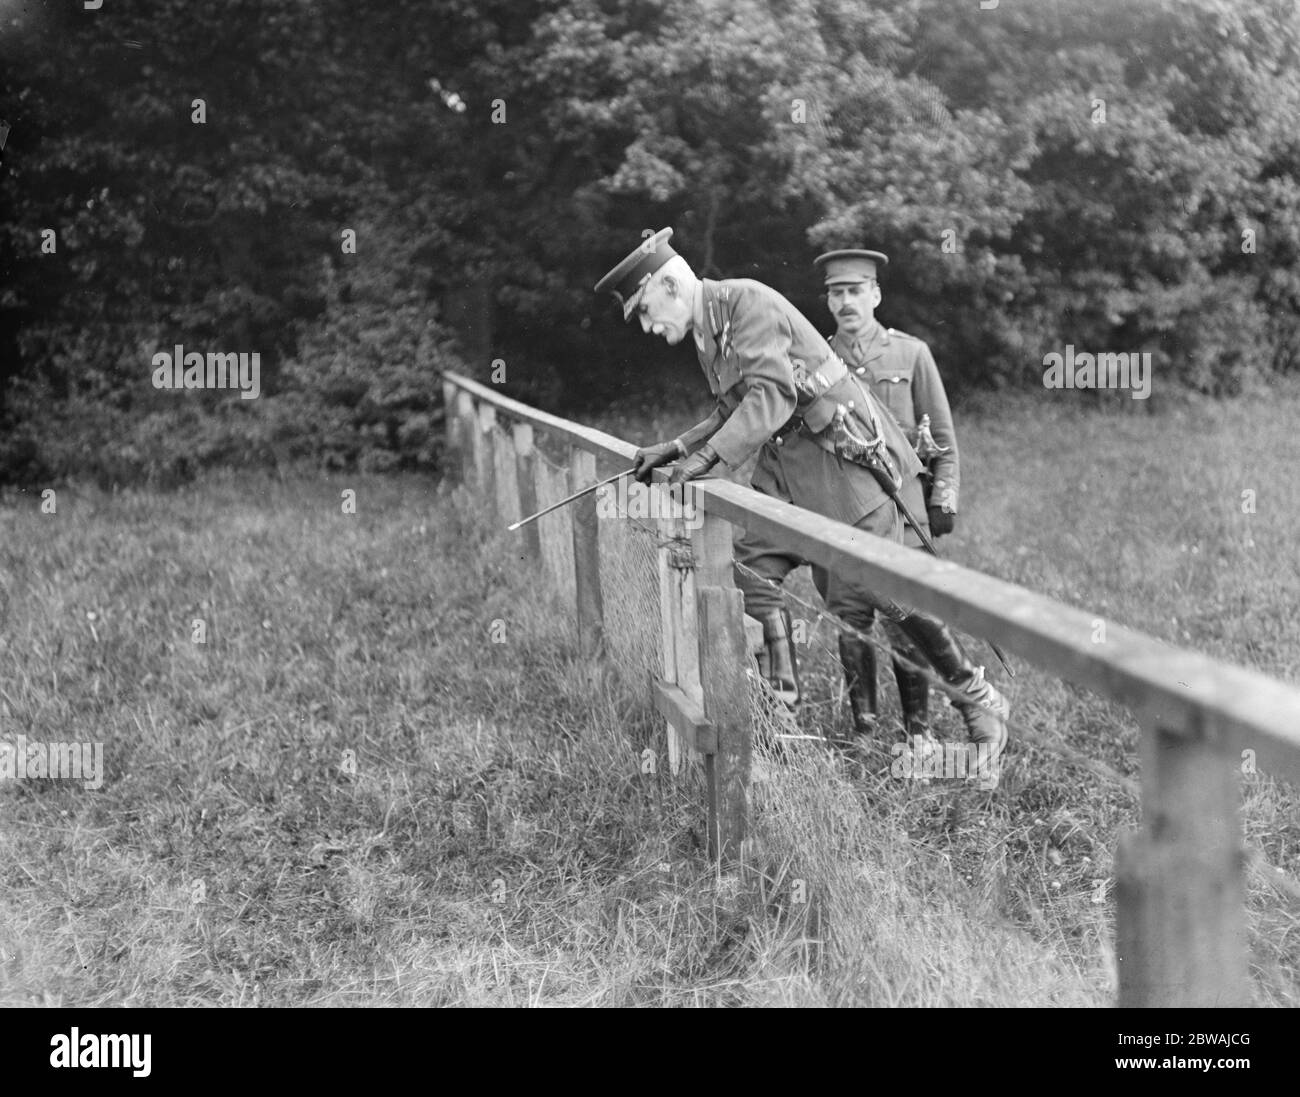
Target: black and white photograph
[(650, 504)]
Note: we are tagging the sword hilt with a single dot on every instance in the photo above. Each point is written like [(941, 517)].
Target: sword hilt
[(926, 446), (868, 452)]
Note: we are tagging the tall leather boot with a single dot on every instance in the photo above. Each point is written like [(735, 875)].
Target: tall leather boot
[(914, 699), (985, 711), (781, 670), (858, 658)]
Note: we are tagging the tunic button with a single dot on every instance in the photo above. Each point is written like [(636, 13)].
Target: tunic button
[(860, 370)]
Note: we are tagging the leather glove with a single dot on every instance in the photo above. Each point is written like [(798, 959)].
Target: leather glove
[(646, 460), (941, 521), (695, 466)]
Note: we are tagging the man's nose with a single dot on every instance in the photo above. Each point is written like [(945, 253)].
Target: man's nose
[(645, 322)]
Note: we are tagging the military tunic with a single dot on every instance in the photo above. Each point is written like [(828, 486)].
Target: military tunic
[(903, 376), (753, 346)]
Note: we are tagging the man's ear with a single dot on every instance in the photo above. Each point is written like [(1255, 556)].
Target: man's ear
[(670, 285)]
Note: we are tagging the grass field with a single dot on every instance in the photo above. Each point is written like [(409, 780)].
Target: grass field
[(387, 777)]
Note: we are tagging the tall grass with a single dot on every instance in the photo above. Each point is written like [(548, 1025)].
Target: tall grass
[(389, 776)]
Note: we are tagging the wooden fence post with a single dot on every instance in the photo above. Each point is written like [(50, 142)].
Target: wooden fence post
[(485, 470), (554, 531), (505, 476), (470, 439), (586, 553), (723, 658), (450, 418), (667, 625), (1180, 914), (679, 695), (526, 485)]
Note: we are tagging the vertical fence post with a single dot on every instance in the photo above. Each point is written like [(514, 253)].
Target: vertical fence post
[(450, 419), (505, 475), (1180, 916), (553, 531), (678, 624), (526, 483), (486, 453), (724, 654), (668, 613), (470, 440), (667, 594), (586, 553)]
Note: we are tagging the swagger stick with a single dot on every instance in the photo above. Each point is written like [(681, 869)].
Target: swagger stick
[(570, 499)]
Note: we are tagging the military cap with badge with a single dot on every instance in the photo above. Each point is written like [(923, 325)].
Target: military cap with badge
[(629, 278)]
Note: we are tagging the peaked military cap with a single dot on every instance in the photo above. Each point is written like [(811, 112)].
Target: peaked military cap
[(850, 265), (627, 281)]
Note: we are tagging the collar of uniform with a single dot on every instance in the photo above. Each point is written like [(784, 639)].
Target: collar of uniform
[(871, 343)]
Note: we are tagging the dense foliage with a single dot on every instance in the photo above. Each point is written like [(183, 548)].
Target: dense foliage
[(1117, 175)]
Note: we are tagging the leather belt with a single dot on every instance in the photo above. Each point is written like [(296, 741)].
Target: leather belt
[(791, 425)]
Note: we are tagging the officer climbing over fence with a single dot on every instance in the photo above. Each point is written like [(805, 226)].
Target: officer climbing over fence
[(824, 443)]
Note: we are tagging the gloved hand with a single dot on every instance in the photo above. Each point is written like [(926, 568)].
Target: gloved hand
[(646, 460), (695, 466), (941, 521)]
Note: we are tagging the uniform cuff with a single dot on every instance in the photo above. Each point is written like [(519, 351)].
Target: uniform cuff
[(729, 455), (943, 496)]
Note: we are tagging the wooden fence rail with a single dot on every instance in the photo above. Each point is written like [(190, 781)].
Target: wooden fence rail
[(1180, 924)]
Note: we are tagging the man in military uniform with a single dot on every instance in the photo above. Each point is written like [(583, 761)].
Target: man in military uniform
[(778, 385), (901, 372)]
